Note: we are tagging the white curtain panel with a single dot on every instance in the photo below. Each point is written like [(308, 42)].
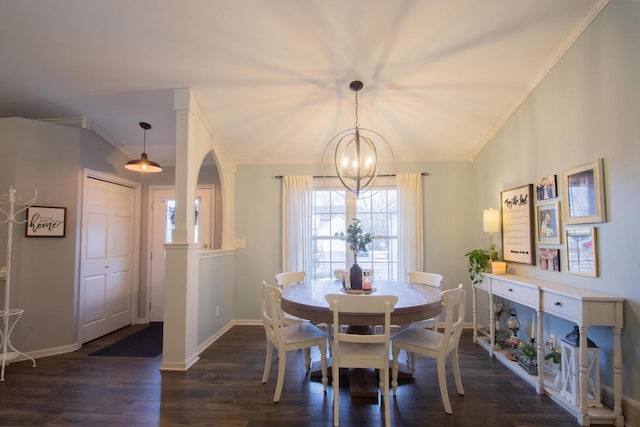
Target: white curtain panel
[(410, 230), (296, 222)]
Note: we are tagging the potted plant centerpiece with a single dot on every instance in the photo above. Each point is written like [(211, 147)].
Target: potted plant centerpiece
[(358, 241)]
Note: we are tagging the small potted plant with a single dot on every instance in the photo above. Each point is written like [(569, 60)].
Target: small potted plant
[(479, 261), (528, 357), (358, 241)]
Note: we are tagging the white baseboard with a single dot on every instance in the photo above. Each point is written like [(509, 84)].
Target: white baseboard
[(37, 354)]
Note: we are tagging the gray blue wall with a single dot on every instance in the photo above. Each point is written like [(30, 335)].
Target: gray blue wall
[(586, 108)]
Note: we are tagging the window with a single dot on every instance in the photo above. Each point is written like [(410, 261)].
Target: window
[(333, 209)]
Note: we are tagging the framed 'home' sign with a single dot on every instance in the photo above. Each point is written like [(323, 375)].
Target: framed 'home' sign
[(45, 221)]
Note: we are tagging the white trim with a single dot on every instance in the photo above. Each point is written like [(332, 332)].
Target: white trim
[(176, 366), (217, 253)]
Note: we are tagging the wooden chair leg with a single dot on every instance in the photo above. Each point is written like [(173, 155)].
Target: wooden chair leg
[(442, 381), (456, 371), (386, 396), (323, 366), (267, 363), (335, 381), (282, 358), (394, 369)]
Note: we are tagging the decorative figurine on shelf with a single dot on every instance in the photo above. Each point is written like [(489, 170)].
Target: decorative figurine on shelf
[(514, 325)]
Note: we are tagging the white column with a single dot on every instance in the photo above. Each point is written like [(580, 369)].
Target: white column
[(180, 341)]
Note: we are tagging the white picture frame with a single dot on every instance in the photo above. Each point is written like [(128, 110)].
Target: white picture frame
[(583, 193), (582, 251)]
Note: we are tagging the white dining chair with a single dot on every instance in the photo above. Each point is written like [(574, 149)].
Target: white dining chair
[(285, 279), (355, 350), (340, 272), (286, 338), (428, 279), (437, 345)]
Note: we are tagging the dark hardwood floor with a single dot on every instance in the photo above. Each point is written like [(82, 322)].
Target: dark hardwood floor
[(223, 389)]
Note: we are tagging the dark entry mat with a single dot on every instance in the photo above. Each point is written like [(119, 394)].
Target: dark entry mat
[(144, 343)]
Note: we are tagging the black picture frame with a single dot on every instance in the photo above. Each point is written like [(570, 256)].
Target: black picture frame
[(46, 221), (517, 225)]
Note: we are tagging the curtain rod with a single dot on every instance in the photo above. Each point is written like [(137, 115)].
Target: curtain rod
[(380, 176)]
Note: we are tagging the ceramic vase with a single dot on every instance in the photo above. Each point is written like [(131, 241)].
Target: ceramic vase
[(355, 275)]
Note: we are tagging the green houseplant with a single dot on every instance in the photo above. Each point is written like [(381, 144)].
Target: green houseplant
[(479, 260), (528, 357), (358, 241)]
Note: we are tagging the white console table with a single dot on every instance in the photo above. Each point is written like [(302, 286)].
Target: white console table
[(584, 308)]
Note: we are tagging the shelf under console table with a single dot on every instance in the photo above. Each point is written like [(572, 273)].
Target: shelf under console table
[(583, 307)]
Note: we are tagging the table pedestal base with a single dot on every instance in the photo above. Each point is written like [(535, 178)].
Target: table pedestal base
[(363, 383)]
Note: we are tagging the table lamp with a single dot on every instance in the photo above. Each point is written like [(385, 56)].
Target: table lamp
[(491, 223)]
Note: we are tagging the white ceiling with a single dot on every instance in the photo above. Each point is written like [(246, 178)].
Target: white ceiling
[(440, 77)]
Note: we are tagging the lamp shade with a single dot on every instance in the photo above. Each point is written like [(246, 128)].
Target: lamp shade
[(491, 220), (143, 164)]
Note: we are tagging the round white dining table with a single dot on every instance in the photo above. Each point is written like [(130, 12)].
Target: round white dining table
[(415, 302)]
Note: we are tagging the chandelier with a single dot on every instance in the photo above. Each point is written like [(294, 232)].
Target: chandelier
[(357, 153), (143, 164)]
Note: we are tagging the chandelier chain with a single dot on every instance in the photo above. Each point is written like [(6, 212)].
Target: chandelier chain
[(356, 124)]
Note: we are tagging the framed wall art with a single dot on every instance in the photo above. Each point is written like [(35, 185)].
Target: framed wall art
[(583, 194), (548, 222), (549, 259), (546, 188), (582, 251), (45, 221), (517, 224)]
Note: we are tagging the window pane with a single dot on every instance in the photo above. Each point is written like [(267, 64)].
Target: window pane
[(333, 210)]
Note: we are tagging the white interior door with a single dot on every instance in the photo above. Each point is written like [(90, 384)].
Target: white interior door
[(163, 205), (107, 258)]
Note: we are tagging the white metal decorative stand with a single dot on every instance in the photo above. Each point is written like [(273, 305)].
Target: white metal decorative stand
[(11, 316)]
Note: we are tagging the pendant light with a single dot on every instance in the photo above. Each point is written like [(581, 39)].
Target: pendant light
[(358, 153), (143, 164)]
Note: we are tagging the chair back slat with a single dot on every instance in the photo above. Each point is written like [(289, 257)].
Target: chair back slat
[(271, 313), (360, 304), (454, 303), (431, 279), (287, 278)]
